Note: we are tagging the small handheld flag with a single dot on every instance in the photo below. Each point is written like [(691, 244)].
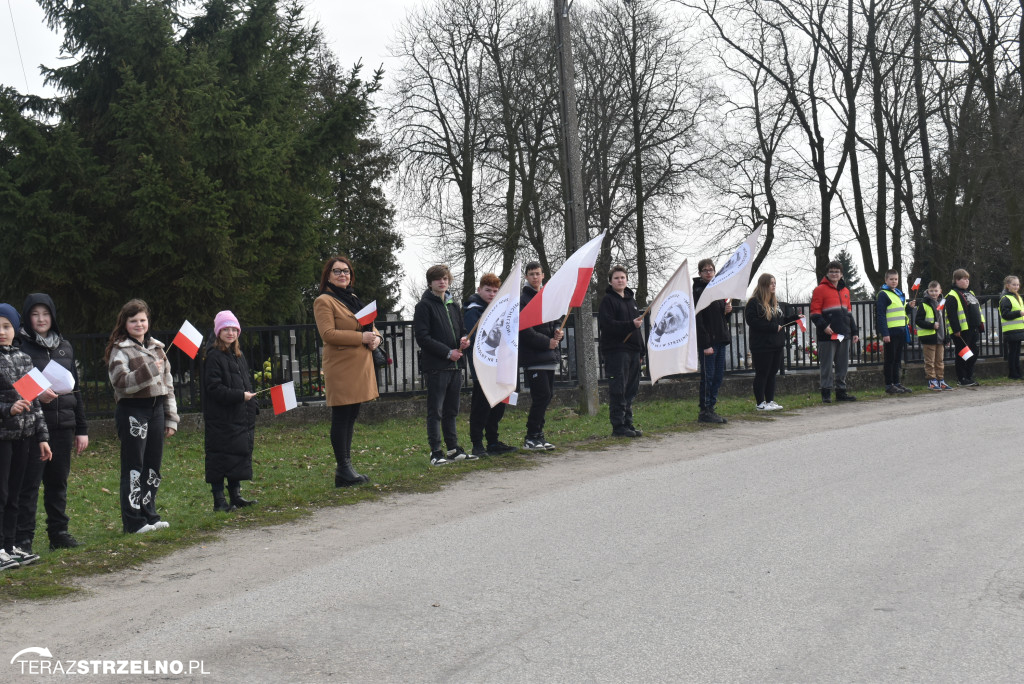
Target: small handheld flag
[(917, 284), (942, 304), (283, 398), (31, 385), (188, 339), (61, 379), (965, 353), (367, 314), (511, 399), (837, 337), (800, 322)]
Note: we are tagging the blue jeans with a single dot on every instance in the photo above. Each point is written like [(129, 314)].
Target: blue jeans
[(712, 372)]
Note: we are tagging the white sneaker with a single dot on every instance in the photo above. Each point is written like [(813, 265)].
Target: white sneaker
[(23, 558), (772, 406), (145, 528), (763, 406), (6, 562), (163, 524)]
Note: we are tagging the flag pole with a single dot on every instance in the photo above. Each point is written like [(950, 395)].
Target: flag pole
[(642, 314)]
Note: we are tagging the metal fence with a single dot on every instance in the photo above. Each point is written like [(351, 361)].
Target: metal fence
[(292, 353)]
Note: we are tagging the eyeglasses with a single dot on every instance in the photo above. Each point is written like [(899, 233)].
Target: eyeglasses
[(708, 270), (340, 271)]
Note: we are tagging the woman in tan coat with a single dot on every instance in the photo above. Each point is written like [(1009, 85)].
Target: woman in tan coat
[(347, 361)]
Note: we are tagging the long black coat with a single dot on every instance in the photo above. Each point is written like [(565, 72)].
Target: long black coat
[(230, 420)]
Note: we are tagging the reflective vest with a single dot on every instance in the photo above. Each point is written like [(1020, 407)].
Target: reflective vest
[(895, 313), (1012, 324), (929, 318), (961, 315)]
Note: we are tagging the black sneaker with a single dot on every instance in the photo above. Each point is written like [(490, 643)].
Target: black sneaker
[(710, 417), (499, 448), (841, 395), (623, 432), (636, 431), (23, 557), (905, 390), (478, 451), (438, 458), (459, 454), (25, 545), (892, 389), (62, 540), (548, 446)]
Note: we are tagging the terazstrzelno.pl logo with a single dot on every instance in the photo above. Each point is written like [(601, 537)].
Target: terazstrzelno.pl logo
[(39, 661)]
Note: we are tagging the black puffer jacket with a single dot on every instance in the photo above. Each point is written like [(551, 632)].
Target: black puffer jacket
[(712, 321), (67, 410), (230, 420), (764, 332), (14, 364), (615, 318), (438, 328), (535, 343)]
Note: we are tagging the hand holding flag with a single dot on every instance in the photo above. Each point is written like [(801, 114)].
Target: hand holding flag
[(31, 385), (368, 314)]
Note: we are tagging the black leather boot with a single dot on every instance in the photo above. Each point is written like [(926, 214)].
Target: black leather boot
[(236, 497), (345, 476), (220, 504)]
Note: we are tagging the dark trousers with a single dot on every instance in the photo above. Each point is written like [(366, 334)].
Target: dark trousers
[(892, 357), (1013, 358), (141, 432), (712, 373), (623, 370), (53, 475), (483, 419), (13, 460), (442, 407), (541, 384), (766, 369), (965, 369), (343, 425)]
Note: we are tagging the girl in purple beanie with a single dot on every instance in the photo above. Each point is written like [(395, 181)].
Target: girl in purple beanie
[(229, 414)]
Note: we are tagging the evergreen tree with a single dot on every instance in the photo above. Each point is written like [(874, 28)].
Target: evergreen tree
[(190, 158), (852, 277)]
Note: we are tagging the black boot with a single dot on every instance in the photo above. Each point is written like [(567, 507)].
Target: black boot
[(826, 396), (345, 476), (843, 395), (236, 497), (220, 504)]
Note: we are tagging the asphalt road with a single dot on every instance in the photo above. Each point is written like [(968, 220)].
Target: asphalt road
[(878, 541)]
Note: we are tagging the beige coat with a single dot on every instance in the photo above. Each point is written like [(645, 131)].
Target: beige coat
[(348, 364)]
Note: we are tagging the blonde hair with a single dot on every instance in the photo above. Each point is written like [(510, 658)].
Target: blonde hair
[(763, 293)]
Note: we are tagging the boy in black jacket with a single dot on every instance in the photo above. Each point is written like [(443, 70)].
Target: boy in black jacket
[(538, 355), (439, 331), (622, 344)]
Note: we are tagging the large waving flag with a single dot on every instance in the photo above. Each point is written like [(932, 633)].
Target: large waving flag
[(496, 341), (672, 346), (732, 279), (566, 288)]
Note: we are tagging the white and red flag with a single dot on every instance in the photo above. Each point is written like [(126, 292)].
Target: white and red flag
[(730, 282), (283, 398), (800, 322), (566, 288), (917, 284), (188, 339), (368, 314), (836, 337), (496, 341), (942, 304), (672, 347), (31, 385), (965, 353)]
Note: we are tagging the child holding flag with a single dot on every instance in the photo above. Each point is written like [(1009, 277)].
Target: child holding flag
[(965, 322), (891, 323), (931, 333), (229, 414), (146, 413), (22, 423)]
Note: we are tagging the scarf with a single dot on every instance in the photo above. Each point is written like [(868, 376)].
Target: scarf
[(51, 341), (347, 297)]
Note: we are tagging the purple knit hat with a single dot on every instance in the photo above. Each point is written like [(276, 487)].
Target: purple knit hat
[(225, 319)]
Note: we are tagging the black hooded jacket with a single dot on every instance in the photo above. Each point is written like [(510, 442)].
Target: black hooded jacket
[(67, 410), (712, 321), (438, 328), (615, 318), (535, 343)]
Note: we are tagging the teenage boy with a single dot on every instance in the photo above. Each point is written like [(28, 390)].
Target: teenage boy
[(538, 355), (440, 334), (712, 339), (622, 344), (483, 418), (891, 323), (833, 318)]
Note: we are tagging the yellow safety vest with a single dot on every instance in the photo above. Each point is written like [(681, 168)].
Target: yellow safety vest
[(1012, 324), (895, 313), (961, 316), (929, 318)]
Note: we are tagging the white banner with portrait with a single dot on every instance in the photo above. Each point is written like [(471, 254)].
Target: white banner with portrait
[(672, 344), (496, 341), (732, 279)]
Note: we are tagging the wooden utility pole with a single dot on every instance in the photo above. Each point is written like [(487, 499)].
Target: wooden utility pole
[(572, 191)]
